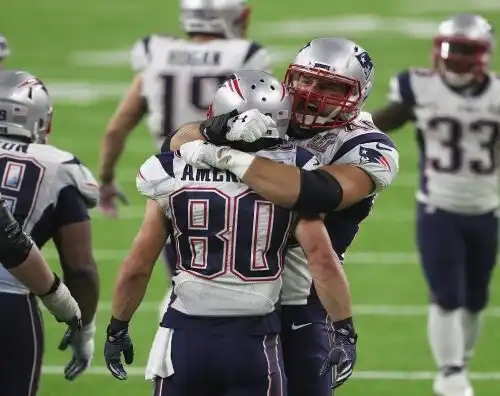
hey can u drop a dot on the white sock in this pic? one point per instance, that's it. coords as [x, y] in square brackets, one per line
[471, 323]
[446, 336]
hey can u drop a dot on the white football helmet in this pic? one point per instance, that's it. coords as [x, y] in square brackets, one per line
[25, 106]
[4, 48]
[227, 18]
[463, 48]
[330, 79]
[254, 89]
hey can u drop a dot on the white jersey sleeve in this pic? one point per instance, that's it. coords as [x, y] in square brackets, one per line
[74, 173]
[155, 179]
[139, 55]
[369, 149]
[257, 58]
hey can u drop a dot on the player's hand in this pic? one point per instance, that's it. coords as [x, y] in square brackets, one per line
[108, 194]
[250, 126]
[342, 355]
[63, 306]
[118, 341]
[82, 345]
[214, 129]
[201, 154]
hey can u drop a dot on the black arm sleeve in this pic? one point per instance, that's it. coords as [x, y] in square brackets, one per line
[319, 192]
[15, 245]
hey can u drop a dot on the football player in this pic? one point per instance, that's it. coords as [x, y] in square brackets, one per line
[176, 78]
[456, 109]
[229, 244]
[330, 79]
[48, 192]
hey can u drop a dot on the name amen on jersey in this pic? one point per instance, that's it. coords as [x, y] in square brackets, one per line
[208, 175]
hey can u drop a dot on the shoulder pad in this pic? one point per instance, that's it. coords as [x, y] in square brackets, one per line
[256, 57]
[48, 153]
[155, 178]
[373, 152]
[140, 55]
[401, 89]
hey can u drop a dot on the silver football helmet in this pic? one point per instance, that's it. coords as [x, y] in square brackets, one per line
[4, 48]
[330, 79]
[228, 18]
[254, 89]
[25, 106]
[463, 48]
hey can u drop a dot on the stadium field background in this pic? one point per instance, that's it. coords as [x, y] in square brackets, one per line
[80, 49]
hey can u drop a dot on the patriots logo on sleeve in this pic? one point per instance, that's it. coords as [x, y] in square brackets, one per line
[371, 156]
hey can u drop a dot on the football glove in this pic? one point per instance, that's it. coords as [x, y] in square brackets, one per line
[118, 341]
[250, 126]
[342, 355]
[214, 129]
[82, 345]
[62, 305]
[201, 154]
[108, 193]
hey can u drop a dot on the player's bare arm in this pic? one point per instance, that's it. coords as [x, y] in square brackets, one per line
[393, 116]
[134, 274]
[126, 117]
[329, 187]
[74, 245]
[328, 275]
[186, 133]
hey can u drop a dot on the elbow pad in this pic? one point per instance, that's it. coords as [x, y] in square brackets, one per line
[15, 245]
[319, 192]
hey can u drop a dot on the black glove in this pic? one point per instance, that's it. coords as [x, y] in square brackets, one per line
[342, 355]
[215, 128]
[118, 341]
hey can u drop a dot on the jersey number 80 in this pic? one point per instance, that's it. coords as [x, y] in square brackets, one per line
[215, 234]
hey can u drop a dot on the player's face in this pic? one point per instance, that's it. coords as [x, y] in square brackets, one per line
[319, 88]
[465, 59]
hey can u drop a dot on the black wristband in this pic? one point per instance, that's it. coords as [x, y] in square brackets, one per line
[54, 287]
[344, 323]
[116, 325]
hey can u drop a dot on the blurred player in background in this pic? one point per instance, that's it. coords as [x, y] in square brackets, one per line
[456, 109]
[176, 78]
[4, 50]
[223, 308]
[329, 79]
[49, 192]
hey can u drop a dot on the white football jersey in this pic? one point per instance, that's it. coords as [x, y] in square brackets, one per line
[180, 77]
[458, 138]
[360, 144]
[33, 176]
[229, 241]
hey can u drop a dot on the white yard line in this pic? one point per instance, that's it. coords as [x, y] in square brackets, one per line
[359, 309]
[360, 375]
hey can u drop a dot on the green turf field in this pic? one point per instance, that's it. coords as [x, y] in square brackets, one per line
[79, 49]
